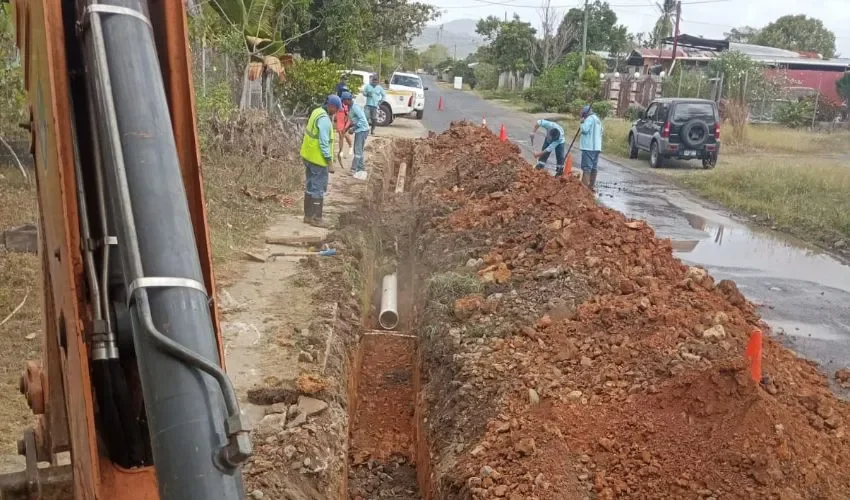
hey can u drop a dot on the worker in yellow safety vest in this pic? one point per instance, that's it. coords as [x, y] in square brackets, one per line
[317, 151]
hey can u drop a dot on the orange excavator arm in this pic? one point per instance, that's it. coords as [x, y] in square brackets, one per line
[132, 362]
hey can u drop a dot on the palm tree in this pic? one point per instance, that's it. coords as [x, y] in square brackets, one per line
[664, 25]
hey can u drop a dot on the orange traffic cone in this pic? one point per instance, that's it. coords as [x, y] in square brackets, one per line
[503, 134]
[753, 355]
[568, 166]
[440, 104]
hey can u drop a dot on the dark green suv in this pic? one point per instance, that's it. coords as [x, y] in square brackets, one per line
[683, 129]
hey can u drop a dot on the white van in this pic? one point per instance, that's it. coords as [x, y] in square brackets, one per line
[396, 102]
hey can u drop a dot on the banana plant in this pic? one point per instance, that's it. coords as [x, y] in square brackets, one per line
[257, 22]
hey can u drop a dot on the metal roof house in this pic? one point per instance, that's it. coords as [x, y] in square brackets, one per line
[811, 70]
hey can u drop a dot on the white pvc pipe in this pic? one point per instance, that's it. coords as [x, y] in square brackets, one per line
[388, 318]
[402, 175]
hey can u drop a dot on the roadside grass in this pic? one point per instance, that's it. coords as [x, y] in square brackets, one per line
[511, 99]
[20, 274]
[805, 196]
[778, 139]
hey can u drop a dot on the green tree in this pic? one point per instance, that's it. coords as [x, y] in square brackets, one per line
[744, 34]
[800, 33]
[395, 22]
[511, 44]
[602, 29]
[434, 55]
[744, 79]
[307, 83]
[843, 86]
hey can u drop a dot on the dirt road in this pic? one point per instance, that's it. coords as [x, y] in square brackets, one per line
[802, 292]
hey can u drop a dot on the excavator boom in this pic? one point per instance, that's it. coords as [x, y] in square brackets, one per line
[131, 380]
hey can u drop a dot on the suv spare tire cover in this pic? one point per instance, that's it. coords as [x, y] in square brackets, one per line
[695, 133]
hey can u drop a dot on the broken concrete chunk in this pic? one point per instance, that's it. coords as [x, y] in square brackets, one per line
[310, 406]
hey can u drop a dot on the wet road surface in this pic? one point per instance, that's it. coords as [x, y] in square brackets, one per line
[803, 293]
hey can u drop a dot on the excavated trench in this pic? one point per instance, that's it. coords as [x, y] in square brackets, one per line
[388, 450]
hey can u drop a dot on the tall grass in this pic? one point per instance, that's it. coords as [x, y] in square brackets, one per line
[778, 139]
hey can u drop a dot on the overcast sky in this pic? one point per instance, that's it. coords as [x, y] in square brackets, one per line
[710, 18]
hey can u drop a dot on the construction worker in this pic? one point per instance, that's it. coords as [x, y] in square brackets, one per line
[317, 151]
[374, 95]
[591, 146]
[554, 142]
[359, 124]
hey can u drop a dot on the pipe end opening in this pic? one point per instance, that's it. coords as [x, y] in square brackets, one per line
[388, 320]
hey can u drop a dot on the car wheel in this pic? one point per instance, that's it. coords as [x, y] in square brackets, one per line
[710, 162]
[384, 115]
[655, 159]
[419, 114]
[633, 149]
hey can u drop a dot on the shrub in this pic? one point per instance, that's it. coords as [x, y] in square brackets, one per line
[602, 109]
[634, 111]
[487, 76]
[794, 114]
[307, 84]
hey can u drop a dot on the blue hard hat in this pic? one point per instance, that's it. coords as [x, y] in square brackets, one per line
[334, 100]
[346, 96]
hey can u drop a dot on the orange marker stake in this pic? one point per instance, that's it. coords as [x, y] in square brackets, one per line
[753, 355]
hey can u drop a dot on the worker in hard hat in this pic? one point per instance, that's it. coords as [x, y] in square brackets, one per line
[554, 142]
[317, 151]
[359, 125]
[374, 95]
[590, 145]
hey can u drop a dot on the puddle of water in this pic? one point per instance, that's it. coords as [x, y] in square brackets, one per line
[715, 241]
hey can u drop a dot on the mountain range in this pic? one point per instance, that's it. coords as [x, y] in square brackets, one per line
[458, 35]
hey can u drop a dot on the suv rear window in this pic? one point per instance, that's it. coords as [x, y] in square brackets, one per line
[685, 111]
[407, 81]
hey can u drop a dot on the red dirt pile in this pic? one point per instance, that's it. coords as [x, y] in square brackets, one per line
[619, 371]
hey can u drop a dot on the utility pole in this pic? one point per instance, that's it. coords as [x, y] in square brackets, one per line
[676, 34]
[584, 40]
[455, 52]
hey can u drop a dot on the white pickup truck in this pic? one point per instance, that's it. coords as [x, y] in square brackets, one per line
[410, 82]
[396, 102]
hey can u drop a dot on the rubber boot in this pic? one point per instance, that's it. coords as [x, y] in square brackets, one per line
[592, 184]
[316, 213]
[308, 209]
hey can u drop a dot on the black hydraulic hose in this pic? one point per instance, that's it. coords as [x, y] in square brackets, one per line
[188, 410]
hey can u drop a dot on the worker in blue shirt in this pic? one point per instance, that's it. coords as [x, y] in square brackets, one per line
[360, 126]
[591, 146]
[554, 142]
[374, 95]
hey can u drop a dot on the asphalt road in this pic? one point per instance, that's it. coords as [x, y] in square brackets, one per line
[803, 293]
